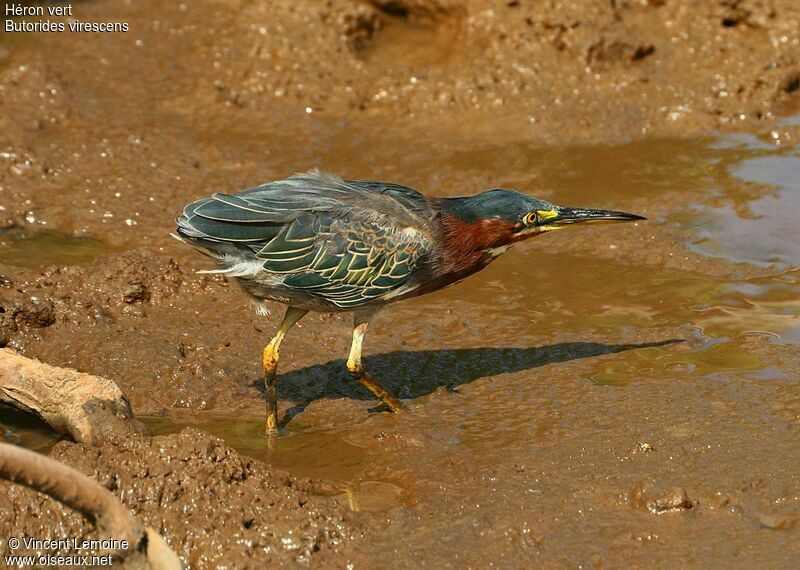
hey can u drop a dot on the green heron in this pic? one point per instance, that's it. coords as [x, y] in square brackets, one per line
[315, 242]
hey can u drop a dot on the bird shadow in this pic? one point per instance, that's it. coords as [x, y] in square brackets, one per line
[412, 374]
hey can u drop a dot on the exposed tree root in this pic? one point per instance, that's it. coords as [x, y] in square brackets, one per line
[88, 408]
[145, 548]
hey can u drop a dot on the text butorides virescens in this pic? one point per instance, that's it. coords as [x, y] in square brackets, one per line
[315, 242]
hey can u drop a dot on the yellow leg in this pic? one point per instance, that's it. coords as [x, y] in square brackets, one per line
[270, 362]
[355, 367]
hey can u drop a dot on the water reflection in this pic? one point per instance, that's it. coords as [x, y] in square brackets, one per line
[763, 230]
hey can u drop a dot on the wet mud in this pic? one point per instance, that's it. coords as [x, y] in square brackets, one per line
[609, 396]
[213, 506]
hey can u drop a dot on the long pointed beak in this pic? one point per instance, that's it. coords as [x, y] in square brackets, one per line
[567, 216]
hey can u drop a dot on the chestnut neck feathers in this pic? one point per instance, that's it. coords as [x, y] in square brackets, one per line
[475, 229]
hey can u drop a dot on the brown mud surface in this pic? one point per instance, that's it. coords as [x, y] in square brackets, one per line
[614, 396]
[214, 506]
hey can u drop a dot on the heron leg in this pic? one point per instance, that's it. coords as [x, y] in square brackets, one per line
[270, 362]
[355, 367]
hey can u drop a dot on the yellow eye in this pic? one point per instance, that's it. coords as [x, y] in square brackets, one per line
[530, 219]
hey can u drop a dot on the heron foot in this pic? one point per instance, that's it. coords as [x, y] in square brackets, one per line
[382, 393]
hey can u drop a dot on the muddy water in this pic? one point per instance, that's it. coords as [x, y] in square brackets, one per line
[44, 248]
[566, 390]
[558, 398]
[26, 430]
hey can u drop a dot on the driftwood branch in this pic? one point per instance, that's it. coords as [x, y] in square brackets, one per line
[146, 549]
[88, 408]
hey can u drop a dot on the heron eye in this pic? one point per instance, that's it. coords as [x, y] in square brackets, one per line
[531, 219]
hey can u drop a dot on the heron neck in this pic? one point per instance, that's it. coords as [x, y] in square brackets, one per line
[467, 241]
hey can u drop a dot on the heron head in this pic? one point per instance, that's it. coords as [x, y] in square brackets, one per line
[522, 216]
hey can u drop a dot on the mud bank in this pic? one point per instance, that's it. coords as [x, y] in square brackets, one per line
[215, 507]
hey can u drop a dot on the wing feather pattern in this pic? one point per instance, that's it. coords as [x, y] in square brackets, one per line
[347, 242]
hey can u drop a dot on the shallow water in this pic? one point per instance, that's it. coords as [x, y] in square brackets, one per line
[44, 248]
[751, 192]
[763, 230]
[687, 325]
[26, 430]
[531, 383]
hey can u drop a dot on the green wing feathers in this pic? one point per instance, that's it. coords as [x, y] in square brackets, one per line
[348, 242]
[348, 264]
